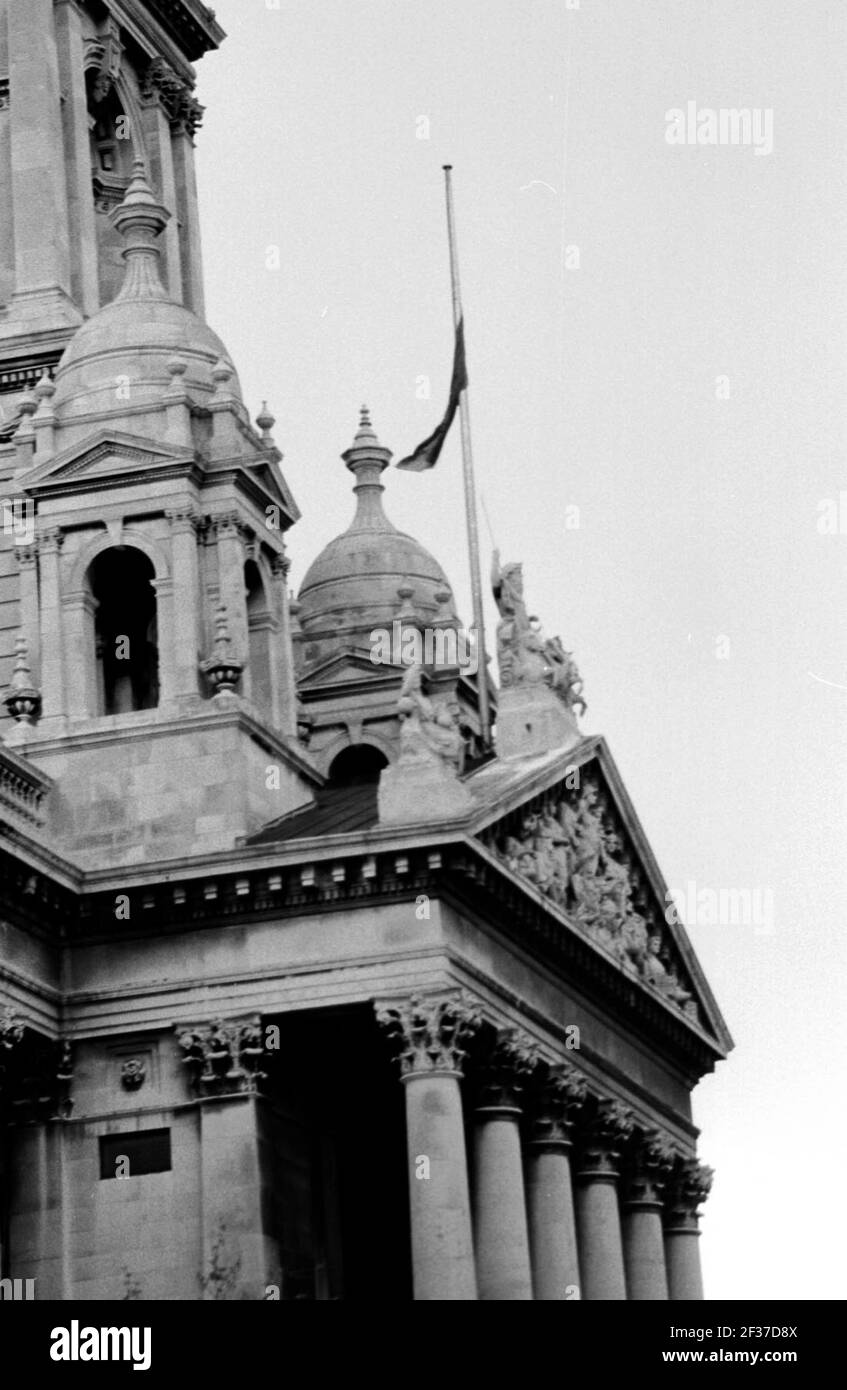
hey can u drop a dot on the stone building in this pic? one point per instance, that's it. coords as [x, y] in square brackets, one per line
[306, 991]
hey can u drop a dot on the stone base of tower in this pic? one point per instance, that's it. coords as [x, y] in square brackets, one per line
[146, 789]
[531, 719]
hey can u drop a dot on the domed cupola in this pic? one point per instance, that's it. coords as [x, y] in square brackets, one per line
[355, 584]
[118, 360]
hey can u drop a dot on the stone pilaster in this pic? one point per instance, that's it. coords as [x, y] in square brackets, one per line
[552, 1222]
[52, 635]
[283, 675]
[431, 1032]
[81, 216]
[688, 1187]
[39, 191]
[598, 1217]
[650, 1163]
[188, 214]
[500, 1214]
[186, 583]
[231, 589]
[27, 558]
[224, 1064]
[78, 617]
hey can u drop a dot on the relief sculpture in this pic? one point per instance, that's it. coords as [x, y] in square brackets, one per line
[574, 857]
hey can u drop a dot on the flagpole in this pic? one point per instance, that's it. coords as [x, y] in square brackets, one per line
[468, 474]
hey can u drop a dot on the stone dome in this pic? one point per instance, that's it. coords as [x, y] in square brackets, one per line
[363, 577]
[131, 341]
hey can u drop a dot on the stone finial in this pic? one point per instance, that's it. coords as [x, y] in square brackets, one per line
[222, 374]
[222, 669]
[140, 219]
[22, 700]
[177, 368]
[266, 422]
[45, 390]
[27, 406]
[366, 434]
[406, 611]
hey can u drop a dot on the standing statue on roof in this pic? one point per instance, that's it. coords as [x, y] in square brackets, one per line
[525, 656]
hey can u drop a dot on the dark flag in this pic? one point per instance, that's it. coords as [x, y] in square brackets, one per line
[426, 454]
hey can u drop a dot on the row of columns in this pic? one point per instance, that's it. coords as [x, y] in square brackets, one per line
[578, 1202]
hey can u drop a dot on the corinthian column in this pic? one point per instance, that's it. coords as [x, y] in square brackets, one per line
[644, 1255]
[432, 1032]
[552, 1224]
[597, 1214]
[690, 1185]
[500, 1219]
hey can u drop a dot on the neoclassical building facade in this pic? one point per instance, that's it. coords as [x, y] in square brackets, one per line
[308, 990]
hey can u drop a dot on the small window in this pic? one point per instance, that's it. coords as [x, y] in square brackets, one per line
[132, 1155]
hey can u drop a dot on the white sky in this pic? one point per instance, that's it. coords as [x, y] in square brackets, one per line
[596, 387]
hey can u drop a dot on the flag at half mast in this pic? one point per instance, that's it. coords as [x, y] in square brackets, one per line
[426, 454]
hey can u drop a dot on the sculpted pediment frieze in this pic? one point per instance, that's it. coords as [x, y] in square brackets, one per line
[570, 843]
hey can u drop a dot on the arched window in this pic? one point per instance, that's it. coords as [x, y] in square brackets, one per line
[126, 637]
[356, 766]
[260, 627]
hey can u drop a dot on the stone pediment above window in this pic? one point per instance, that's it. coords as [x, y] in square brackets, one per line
[571, 844]
[105, 456]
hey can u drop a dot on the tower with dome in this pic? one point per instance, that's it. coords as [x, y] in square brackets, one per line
[236, 850]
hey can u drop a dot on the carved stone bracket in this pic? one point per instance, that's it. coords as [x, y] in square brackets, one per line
[162, 82]
[224, 1057]
[430, 1032]
[689, 1186]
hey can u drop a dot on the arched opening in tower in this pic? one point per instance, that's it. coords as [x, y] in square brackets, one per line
[357, 766]
[260, 626]
[111, 169]
[126, 635]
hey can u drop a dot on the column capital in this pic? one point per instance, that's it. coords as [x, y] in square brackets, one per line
[182, 519]
[227, 525]
[505, 1072]
[556, 1101]
[51, 540]
[26, 555]
[223, 1057]
[689, 1185]
[650, 1163]
[603, 1139]
[431, 1031]
[280, 566]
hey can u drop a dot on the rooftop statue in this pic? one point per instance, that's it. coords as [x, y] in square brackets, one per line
[525, 656]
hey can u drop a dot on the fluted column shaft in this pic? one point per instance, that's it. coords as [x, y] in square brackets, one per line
[689, 1186]
[52, 637]
[500, 1215]
[597, 1211]
[430, 1032]
[550, 1201]
[186, 583]
[650, 1164]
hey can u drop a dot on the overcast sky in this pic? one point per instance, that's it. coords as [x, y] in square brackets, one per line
[656, 337]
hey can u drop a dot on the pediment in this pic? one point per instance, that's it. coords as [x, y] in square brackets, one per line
[570, 836]
[106, 455]
[344, 668]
